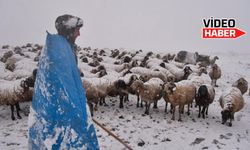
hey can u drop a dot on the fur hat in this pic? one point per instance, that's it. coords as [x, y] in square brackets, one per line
[66, 24]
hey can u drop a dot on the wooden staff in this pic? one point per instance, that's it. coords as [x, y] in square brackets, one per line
[110, 133]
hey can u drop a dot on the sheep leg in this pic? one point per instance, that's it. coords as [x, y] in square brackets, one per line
[230, 122]
[199, 115]
[166, 107]
[188, 112]
[104, 102]
[17, 111]
[180, 110]
[171, 108]
[12, 112]
[212, 82]
[173, 111]
[95, 107]
[231, 118]
[203, 112]
[101, 102]
[126, 98]
[138, 100]
[207, 110]
[147, 108]
[215, 83]
[155, 104]
[121, 101]
[141, 104]
[91, 109]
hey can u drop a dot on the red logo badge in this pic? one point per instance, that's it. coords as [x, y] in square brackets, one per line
[221, 33]
[220, 28]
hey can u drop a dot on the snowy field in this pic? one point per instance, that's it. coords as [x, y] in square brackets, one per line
[156, 131]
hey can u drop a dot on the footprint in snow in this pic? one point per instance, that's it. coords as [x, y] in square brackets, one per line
[197, 141]
[239, 117]
[217, 142]
[224, 137]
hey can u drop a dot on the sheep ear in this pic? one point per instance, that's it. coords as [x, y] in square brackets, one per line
[174, 88]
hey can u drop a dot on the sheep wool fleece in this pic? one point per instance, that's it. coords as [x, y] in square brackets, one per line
[59, 116]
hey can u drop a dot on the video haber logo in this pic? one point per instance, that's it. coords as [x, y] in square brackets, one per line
[220, 28]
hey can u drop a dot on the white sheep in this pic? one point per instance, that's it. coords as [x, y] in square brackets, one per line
[117, 68]
[150, 91]
[178, 64]
[180, 74]
[186, 57]
[149, 73]
[96, 89]
[179, 94]
[153, 62]
[14, 92]
[231, 101]
[166, 72]
[5, 74]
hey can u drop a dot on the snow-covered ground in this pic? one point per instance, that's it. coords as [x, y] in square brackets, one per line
[157, 130]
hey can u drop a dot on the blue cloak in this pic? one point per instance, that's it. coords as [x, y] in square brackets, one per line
[59, 116]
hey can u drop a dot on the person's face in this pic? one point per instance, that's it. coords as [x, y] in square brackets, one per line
[76, 33]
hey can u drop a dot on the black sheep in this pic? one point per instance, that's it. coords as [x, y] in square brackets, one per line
[204, 97]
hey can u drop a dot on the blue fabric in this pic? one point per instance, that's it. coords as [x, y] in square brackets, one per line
[59, 117]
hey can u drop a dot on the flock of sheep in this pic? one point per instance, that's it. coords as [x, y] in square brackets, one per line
[18, 69]
[176, 78]
[179, 79]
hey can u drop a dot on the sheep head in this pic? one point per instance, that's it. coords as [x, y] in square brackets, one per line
[144, 78]
[136, 85]
[202, 70]
[187, 71]
[169, 87]
[24, 85]
[202, 95]
[214, 66]
[134, 63]
[163, 65]
[102, 73]
[216, 57]
[101, 67]
[241, 84]
[226, 114]
[132, 79]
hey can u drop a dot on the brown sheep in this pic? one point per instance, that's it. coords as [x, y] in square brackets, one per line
[214, 74]
[150, 91]
[241, 84]
[92, 95]
[179, 94]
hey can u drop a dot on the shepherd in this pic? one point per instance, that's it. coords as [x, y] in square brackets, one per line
[59, 115]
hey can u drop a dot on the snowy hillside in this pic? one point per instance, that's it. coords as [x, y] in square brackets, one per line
[154, 131]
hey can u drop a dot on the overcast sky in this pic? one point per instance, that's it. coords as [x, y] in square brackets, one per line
[130, 24]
